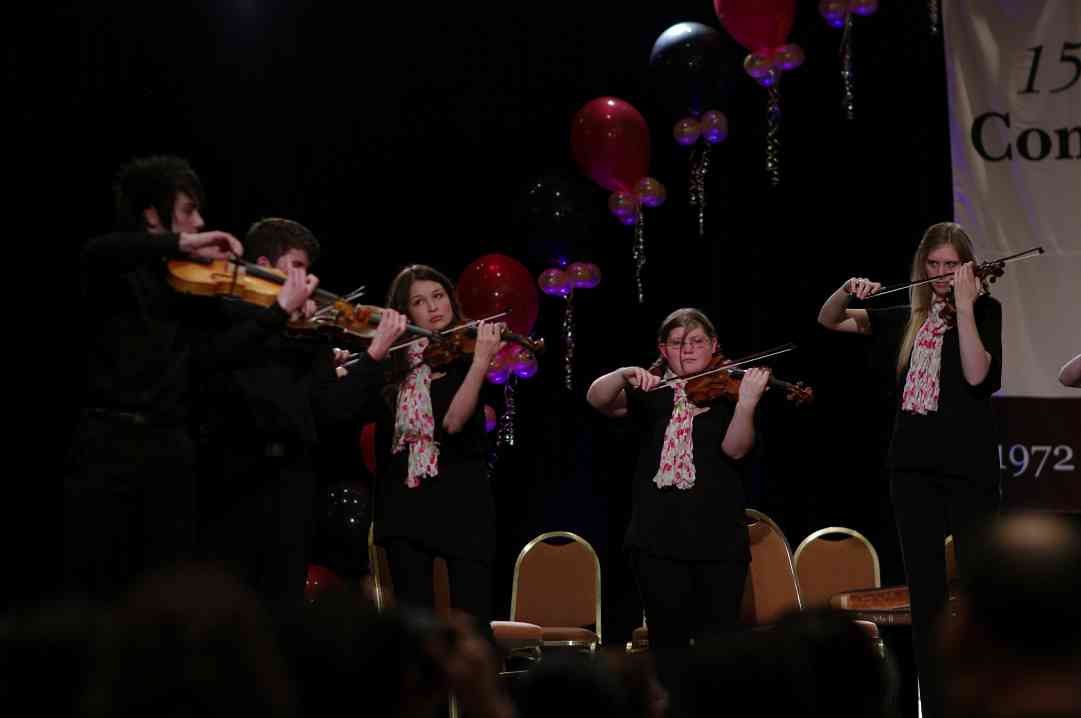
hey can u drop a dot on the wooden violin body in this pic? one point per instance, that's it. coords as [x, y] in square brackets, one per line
[715, 382]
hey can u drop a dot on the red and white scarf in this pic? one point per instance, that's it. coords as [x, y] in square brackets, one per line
[677, 453]
[414, 424]
[920, 394]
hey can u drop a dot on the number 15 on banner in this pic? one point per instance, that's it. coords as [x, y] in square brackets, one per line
[1021, 458]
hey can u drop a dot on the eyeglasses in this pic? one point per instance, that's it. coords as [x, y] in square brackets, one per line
[695, 343]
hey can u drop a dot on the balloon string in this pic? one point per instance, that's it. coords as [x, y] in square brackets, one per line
[773, 136]
[505, 436]
[847, 101]
[568, 343]
[639, 253]
[699, 167]
[932, 7]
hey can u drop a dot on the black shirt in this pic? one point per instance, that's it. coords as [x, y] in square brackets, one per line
[142, 338]
[452, 513]
[959, 438]
[705, 522]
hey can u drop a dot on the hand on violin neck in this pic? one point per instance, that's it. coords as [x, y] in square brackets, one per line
[296, 290]
[639, 378]
[210, 245]
[391, 326]
[966, 287]
[753, 384]
[488, 342]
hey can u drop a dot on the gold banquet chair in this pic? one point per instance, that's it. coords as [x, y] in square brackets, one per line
[557, 585]
[772, 589]
[514, 638]
[834, 560]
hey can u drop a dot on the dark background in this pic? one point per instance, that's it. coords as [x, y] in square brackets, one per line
[410, 132]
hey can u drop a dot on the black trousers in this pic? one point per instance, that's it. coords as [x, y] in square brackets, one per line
[470, 580]
[258, 518]
[928, 507]
[684, 600]
[129, 503]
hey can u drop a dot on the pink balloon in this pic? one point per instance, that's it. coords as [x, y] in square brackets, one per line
[788, 57]
[714, 126]
[686, 131]
[610, 140]
[584, 275]
[863, 7]
[758, 63]
[756, 24]
[521, 361]
[834, 11]
[555, 282]
[622, 203]
[499, 368]
[650, 192]
[494, 283]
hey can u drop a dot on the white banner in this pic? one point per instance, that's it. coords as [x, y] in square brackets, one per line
[1014, 76]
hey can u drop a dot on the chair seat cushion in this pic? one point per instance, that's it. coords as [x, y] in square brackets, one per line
[873, 599]
[558, 634]
[517, 634]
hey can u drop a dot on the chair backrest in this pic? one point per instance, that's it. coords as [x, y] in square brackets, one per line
[833, 560]
[384, 585]
[771, 589]
[557, 582]
[951, 561]
[380, 568]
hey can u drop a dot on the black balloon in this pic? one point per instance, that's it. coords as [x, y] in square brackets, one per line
[344, 524]
[687, 72]
[553, 216]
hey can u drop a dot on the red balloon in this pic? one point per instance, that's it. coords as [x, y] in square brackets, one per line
[367, 447]
[494, 283]
[757, 24]
[610, 140]
[319, 579]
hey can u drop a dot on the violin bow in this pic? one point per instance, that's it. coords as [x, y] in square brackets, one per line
[354, 357]
[782, 349]
[1027, 254]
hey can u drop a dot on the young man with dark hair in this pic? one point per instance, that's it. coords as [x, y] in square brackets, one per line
[129, 501]
[262, 428]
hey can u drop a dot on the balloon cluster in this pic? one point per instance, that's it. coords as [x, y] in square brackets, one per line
[512, 360]
[610, 140]
[762, 26]
[490, 285]
[766, 64]
[836, 12]
[493, 284]
[557, 282]
[712, 127]
[627, 205]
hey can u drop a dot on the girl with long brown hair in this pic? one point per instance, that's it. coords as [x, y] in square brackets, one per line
[947, 347]
[433, 497]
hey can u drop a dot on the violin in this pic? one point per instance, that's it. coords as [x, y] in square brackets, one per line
[252, 283]
[461, 341]
[722, 377]
[986, 272]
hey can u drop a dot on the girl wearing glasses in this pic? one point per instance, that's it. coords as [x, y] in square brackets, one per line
[942, 462]
[687, 540]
